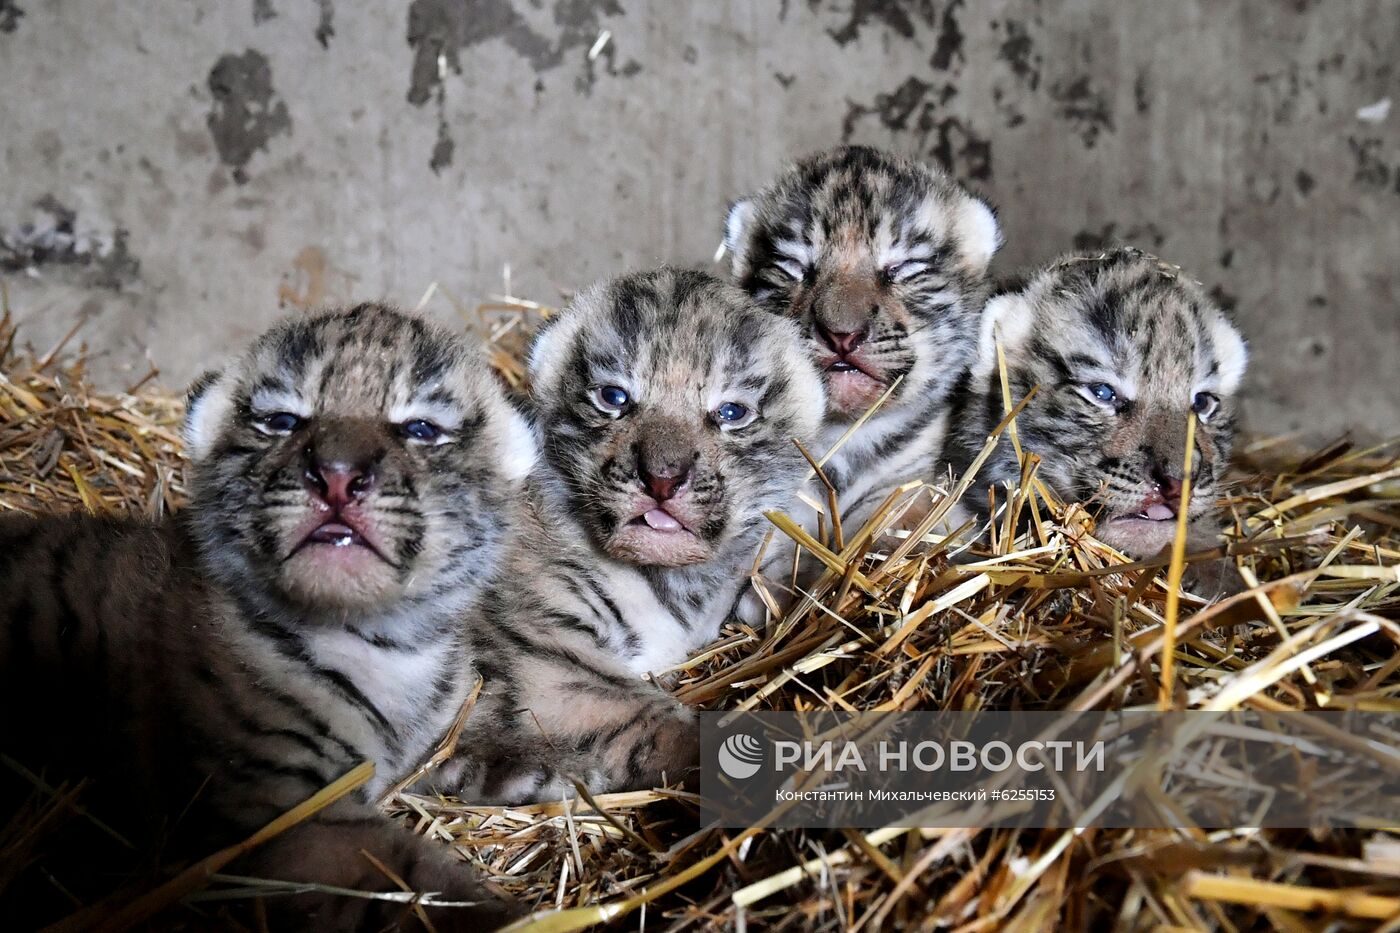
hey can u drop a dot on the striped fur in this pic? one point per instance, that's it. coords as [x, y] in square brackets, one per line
[232, 663]
[882, 261]
[1126, 321]
[593, 597]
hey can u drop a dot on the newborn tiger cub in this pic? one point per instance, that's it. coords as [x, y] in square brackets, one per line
[1122, 347]
[668, 404]
[354, 478]
[883, 264]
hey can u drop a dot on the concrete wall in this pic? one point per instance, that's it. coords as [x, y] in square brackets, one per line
[211, 159]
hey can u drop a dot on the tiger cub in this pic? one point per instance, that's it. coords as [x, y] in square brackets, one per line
[354, 477]
[1122, 347]
[883, 262]
[667, 404]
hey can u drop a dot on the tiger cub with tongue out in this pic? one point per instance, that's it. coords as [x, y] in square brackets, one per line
[882, 263]
[667, 403]
[355, 475]
[1122, 347]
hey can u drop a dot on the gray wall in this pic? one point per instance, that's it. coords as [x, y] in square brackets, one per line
[212, 157]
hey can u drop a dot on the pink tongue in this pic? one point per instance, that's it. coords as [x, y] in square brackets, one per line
[1160, 512]
[661, 520]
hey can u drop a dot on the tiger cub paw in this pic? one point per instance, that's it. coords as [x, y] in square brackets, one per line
[675, 752]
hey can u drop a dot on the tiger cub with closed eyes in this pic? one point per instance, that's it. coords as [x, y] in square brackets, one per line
[667, 404]
[354, 478]
[882, 262]
[1122, 347]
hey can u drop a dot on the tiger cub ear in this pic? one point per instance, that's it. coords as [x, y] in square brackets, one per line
[1006, 318]
[519, 443]
[208, 404]
[738, 228]
[553, 345]
[978, 234]
[1232, 353]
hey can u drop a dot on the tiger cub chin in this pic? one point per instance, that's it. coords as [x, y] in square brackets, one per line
[1123, 347]
[882, 262]
[354, 477]
[667, 404]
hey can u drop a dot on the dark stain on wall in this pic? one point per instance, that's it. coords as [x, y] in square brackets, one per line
[896, 15]
[439, 31]
[246, 112]
[1296, 93]
[446, 28]
[1371, 170]
[1018, 51]
[894, 109]
[950, 39]
[964, 153]
[917, 107]
[903, 18]
[914, 108]
[443, 148]
[1008, 109]
[583, 84]
[1142, 92]
[54, 242]
[325, 24]
[1084, 107]
[1109, 235]
[1017, 48]
[9, 15]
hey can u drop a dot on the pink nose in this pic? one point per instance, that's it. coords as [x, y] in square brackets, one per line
[338, 484]
[663, 486]
[843, 342]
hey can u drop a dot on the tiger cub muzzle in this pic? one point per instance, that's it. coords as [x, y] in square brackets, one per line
[882, 260]
[1141, 479]
[668, 501]
[1122, 351]
[353, 464]
[859, 334]
[668, 402]
[340, 543]
[337, 518]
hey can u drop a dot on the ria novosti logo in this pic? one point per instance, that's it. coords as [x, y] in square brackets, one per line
[741, 756]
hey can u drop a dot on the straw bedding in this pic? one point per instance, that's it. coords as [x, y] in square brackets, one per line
[1049, 619]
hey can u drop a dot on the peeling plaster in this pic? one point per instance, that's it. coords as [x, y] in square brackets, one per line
[246, 112]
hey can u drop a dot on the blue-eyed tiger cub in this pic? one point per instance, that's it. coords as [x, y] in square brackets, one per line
[354, 479]
[668, 403]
